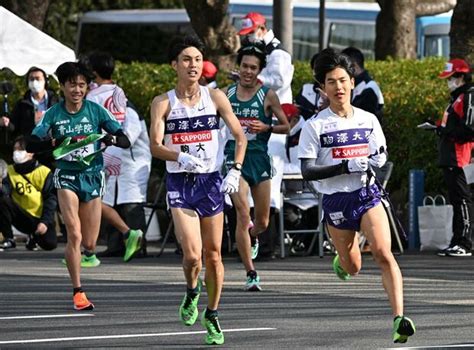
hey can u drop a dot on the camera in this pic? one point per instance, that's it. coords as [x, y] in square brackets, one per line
[6, 87]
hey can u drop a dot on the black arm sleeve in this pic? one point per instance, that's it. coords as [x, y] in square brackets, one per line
[312, 172]
[50, 202]
[122, 140]
[35, 145]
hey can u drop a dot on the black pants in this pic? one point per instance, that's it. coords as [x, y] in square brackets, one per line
[134, 216]
[11, 214]
[460, 196]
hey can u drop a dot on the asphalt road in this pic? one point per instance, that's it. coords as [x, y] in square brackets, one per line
[302, 306]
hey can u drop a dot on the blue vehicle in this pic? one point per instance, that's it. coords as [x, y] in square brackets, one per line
[143, 34]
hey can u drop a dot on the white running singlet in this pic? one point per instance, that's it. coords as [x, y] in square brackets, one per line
[194, 130]
[330, 139]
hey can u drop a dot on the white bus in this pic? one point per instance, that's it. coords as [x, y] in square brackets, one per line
[143, 35]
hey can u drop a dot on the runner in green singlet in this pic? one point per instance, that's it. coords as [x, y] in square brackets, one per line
[253, 104]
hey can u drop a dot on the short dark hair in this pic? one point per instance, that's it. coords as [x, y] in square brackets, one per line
[252, 50]
[68, 71]
[180, 43]
[355, 55]
[36, 69]
[328, 60]
[466, 76]
[102, 63]
[21, 140]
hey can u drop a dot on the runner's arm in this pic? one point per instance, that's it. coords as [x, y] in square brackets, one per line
[160, 108]
[35, 144]
[118, 139]
[312, 172]
[283, 126]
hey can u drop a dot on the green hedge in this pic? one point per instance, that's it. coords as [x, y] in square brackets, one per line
[411, 90]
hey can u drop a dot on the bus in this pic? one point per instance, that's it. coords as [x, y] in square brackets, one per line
[143, 35]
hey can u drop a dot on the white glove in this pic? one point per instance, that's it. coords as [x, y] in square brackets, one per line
[357, 165]
[189, 162]
[230, 184]
[378, 160]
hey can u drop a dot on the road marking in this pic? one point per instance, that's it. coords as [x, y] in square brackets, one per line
[122, 336]
[462, 346]
[45, 316]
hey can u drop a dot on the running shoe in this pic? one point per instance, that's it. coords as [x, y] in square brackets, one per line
[254, 244]
[133, 244]
[90, 261]
[9, 243]
[31, 245]
[253, 283]
[458, 251]
[214, 335]
[188, 312]
[444, 252]
[81, 302]
[343, 275]
[403, 327]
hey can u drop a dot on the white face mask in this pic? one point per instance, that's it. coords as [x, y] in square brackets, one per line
[36, 86]
[453, 84]
[20, 157]
[253, 39]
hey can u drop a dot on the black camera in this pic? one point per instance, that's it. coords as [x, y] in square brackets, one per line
[6, 87]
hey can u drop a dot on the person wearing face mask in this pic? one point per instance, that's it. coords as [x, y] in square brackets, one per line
[28, 201]
[456, 132]
[29, 110]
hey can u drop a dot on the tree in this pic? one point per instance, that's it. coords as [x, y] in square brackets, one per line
[395, 26]
[462, 31]
[211, 23]
[32, 11]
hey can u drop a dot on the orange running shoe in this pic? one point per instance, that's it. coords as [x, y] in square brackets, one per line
[81, 302]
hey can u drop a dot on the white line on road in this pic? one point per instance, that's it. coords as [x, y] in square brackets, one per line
[45, 316]
[462, 346]
[122, 336]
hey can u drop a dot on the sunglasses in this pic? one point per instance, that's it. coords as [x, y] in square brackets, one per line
[252, 49]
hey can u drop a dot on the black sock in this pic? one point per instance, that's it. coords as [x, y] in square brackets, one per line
[126, 235]
[88, 253]
[252, 274]
[192, 292]
[76, 290]
[253, 240]
[210, 313]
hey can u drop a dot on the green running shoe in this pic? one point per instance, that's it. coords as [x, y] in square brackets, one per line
[90, 261]
[188, 312]
[133, 244]
[214, 335]
[403, 327]
[253, 283]
[343, 275]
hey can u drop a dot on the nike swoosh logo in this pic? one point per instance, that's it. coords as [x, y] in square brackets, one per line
[214, 208]
[201, 109]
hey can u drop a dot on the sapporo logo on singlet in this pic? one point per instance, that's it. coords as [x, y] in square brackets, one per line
[351, 143]
[192, 130]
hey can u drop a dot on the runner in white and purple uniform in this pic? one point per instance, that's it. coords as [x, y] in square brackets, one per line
[185, 132]
[337, 147]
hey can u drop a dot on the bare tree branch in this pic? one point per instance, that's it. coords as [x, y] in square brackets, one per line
[433, 7]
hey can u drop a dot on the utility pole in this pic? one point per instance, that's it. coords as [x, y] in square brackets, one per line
[283, 23]
[322, 19]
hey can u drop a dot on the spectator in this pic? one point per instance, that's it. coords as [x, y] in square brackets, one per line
[297, 121]
[366, 94]
[277, 75]
[209, 75]
[129, 170]
[308, 99]
[30, 109]
[28, 201]
[456, 139]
